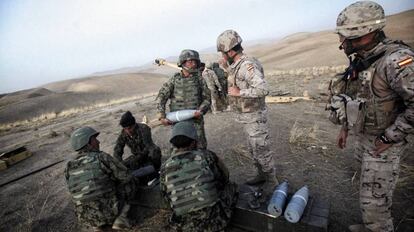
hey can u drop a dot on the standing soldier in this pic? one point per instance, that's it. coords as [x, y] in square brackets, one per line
[213, 85]
[137, 136]
[100, 185]
[186, 90]
[374, 98]
[246, 95]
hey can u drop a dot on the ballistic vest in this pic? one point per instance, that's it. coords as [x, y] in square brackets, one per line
[190, 183]
[244, 104]
[187, 93]
[87, 182]
[380, 112]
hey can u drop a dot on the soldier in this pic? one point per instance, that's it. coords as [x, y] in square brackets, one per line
[137, 136]
[246, 95]
[377, 91]
[100, 185]
[196, 184]
[186, 90]
[213, 85]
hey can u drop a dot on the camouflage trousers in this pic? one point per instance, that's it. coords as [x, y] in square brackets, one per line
[202, 141]
[211, 219]
[99, 212]
[256, 128]
[379, 176]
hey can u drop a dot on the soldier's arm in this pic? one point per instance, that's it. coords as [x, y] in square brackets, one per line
[401, 79]
[115, 168]
[220, 171]
[206, 95]
[163, 95]
[216, 81]
[119, 147]
[255, 78]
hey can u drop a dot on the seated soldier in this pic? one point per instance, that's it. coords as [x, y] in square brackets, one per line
[196, 184]
[100, 185]
[137, 136]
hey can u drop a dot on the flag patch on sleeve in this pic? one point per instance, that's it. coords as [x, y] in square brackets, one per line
[405, 62]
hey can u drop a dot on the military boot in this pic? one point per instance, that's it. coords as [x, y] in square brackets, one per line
[122, 221]
[358, 228]
[271, 181]
[259, 176]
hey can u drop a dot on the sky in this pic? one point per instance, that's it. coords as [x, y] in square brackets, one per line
[43, 41]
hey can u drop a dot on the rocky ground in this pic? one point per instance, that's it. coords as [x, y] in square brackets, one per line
[303, 141]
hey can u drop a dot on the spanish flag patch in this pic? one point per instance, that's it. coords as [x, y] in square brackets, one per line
[405, 62]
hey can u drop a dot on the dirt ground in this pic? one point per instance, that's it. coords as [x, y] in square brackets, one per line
[302, 138]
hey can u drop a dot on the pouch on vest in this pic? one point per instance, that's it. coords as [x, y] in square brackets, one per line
[355, 115]
[337, 108]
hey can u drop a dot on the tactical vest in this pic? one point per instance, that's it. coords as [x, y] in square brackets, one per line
[87, 182]
[190, 183]
[243, 104]
[187, 93]
[380, 112]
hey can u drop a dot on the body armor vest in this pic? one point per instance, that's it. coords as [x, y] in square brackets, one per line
[87, 182]
[187, 93]
[243, 104]
[380, 112]
[190, 183]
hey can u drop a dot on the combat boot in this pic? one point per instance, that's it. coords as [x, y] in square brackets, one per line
[122, 222]
[259, 176]
[358, 228]
[271, 181]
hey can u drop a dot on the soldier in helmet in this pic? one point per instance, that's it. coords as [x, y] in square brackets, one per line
[247, 90]
[213, 85]
[196, 184]
[137, 136]
[186, 90]
[100, 185]
[375, 100]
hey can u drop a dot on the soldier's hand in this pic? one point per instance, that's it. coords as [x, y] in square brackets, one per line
[234, 91]
[341, 139]
[165, 122]
[380, 147]
[197, 114]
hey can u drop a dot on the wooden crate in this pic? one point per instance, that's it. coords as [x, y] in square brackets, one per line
[16, 155]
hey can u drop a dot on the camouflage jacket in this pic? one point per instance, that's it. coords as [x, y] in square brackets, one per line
[167, 93]
[392, 85]
[212, 80]
[104, 210]
[249, 77]
[141, 143]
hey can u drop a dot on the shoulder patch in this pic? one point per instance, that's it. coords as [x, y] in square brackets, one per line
[250, 67]
[405, 62]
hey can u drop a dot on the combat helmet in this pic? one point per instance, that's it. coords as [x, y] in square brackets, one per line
[228, 40]
[185, 128]
[80, 137]
[188, 54]
[359, 19]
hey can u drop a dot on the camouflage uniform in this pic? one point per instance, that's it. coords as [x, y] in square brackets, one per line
[142, 147]
[217, 195]
[112, 187]
[381, 104]
[214, 86]
[252, 112]
[186, 93]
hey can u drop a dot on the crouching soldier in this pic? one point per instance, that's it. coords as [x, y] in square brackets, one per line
[196, 184]
[137, 136]
[100, 185]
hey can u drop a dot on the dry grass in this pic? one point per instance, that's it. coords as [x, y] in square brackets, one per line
[52, 115]
[300, 135]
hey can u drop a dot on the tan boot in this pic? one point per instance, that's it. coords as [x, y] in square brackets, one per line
[358, 228]
[258, 178]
